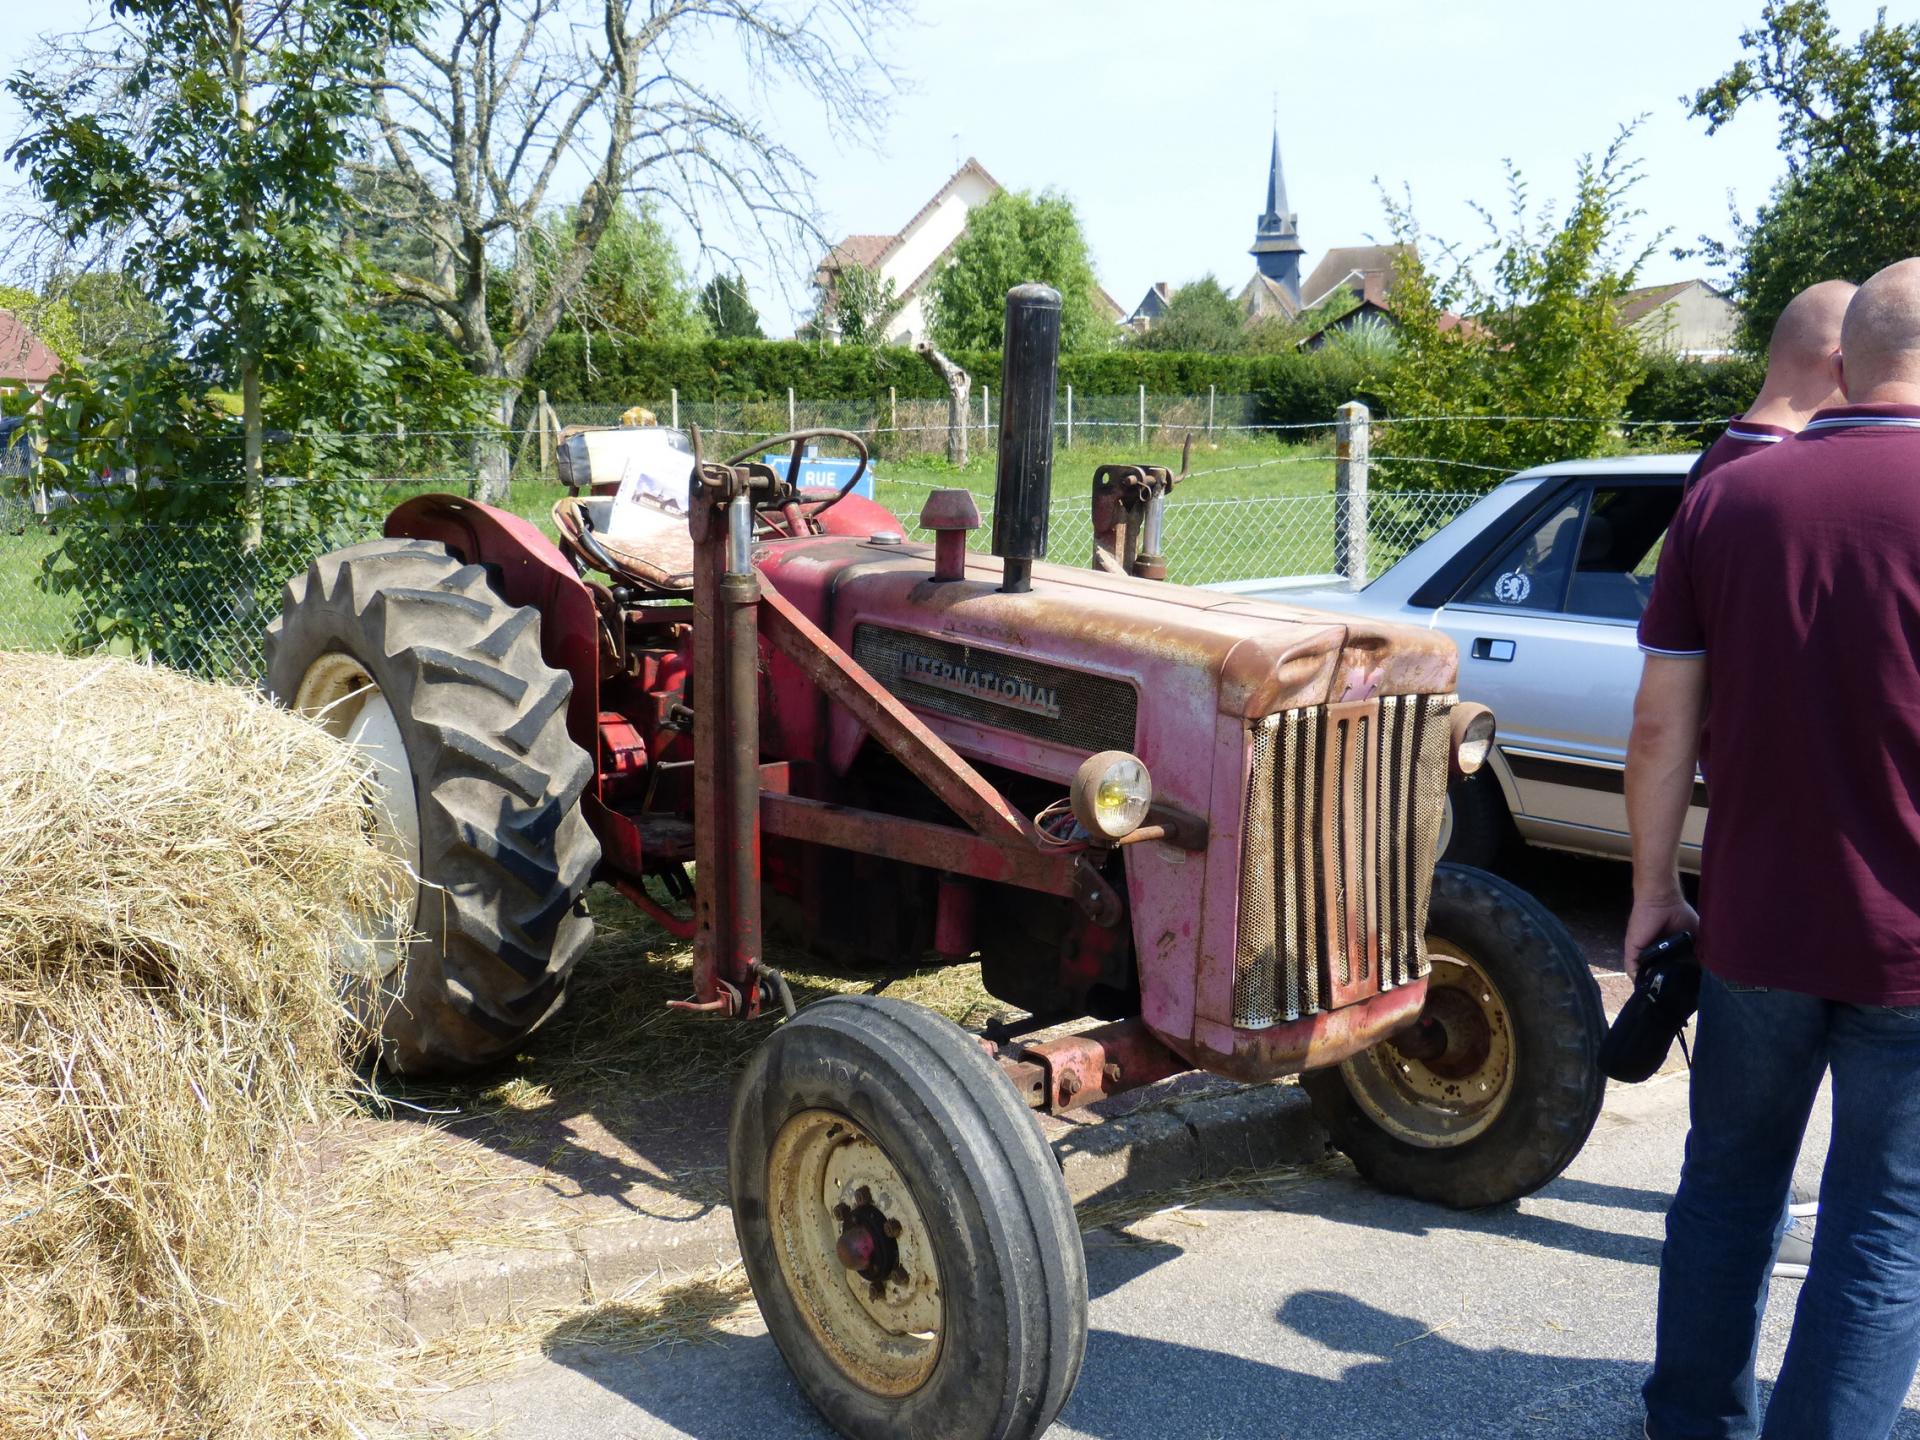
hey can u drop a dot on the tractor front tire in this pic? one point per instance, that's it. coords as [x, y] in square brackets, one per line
[1500, 1087]
[906, 1230]
[403, 649]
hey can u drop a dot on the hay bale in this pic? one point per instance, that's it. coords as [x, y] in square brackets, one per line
[176, 859]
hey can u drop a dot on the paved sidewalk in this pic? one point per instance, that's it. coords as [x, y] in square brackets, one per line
[1310, 1307]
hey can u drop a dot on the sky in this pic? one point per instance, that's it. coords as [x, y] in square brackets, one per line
[1157, 118]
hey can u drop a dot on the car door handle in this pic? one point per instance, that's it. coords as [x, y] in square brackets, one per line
[1487, 648]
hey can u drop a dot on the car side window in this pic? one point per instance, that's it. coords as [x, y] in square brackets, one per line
[1532, 573]
[1619, 545]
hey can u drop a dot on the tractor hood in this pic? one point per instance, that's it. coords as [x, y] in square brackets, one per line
[1084, 661]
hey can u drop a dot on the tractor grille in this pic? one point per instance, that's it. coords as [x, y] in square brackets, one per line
[1004, 692]
[1343, 813]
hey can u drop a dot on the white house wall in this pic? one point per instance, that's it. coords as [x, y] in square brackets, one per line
[924, 242]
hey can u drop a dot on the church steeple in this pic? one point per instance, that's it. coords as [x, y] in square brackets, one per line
[1276, 237]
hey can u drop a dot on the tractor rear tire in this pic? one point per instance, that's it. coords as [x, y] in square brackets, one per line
[873, 1133]
[489, 782]
[1508, 1103]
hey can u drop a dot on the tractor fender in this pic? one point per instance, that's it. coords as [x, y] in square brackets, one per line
[528, 570]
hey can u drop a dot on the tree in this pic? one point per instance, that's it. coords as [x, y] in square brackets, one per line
[211, 135]
[1542, 339]
[1012, 239]
[1200, 316]
[862, 303]
[1849, 119]
[477, 124]
[634, 287]
[728, 311]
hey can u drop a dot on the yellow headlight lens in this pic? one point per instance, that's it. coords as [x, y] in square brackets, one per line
[1112, 794]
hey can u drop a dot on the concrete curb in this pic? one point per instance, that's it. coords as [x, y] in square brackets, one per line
[1103, 1159]
[1156, 1145]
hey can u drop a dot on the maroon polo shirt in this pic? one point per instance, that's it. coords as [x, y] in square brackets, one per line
[1741, 438]
[1800, 585]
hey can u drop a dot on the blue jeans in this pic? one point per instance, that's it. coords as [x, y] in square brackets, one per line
[1757, 1065]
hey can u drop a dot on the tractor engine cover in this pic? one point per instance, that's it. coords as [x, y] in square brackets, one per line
[1313, 748]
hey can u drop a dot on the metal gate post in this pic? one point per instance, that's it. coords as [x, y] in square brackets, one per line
[1350, 493]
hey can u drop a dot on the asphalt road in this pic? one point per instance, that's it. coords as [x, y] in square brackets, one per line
[1310, 1307]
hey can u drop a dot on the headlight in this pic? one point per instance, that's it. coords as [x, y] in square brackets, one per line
[1111, 794]
[1472, 738]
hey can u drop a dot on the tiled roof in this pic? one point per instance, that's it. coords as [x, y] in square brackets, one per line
[23, 358]
[1262, 297]
[1638, 304]
[873, 250]
[1338, 263]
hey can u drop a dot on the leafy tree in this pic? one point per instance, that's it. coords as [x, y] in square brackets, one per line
[729, 313]
[1542, 339]
[479, 121]
[634, 286]
[1849, 119]
[1200, 317]
[1012, 239]
[212, 135]
[862, 303]
[48, 317]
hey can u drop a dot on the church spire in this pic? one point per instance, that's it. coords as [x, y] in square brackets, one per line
[1276, 236]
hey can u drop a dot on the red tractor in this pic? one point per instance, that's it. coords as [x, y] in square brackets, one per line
[1206, 822]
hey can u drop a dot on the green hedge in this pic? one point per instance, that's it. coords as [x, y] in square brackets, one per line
[1300, 387]
[1677, 389]
[628, 372]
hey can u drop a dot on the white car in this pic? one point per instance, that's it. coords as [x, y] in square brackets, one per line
[1540, 584]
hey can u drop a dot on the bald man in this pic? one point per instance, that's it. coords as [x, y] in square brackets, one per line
[1786, 611]
[1801, 377]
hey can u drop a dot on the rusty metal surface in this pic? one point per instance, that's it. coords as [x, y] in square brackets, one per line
[1083, 1069]
[1309, 1043]
[920, 842]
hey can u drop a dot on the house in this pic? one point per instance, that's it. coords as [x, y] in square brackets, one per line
[24, 358]
[911, 257]
[1151, 307]
[1688, 318]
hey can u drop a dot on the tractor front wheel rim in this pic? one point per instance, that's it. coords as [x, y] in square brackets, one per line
[1453, 1073]
[855, 1252]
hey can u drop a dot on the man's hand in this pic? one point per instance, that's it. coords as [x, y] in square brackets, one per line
[1655, 918]
[1661, 754]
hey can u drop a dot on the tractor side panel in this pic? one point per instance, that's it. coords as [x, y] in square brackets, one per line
[528, 570]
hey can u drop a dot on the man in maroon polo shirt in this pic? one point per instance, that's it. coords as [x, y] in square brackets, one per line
[1786, 612]
[1800, 378]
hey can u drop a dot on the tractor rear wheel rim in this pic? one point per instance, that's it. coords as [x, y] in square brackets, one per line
[338, 692]
[855, 1252]
[1454, 1079]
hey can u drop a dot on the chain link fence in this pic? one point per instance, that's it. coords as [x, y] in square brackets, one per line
[1261, 502]
[189, 596]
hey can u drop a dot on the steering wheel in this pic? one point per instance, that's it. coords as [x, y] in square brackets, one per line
[798, 439]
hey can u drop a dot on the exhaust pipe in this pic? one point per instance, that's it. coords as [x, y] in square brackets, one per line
[1023, 485]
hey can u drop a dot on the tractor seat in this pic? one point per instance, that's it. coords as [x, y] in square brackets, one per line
[652, 546]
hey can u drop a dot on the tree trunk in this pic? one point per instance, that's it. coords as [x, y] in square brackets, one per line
[959, 386]
[253, 492]
[493, 457]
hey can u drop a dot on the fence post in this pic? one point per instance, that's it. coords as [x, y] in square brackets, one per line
[792, 422]
[546, 435]
[893, 410]
[1210, 412]
[1069, 414]
[1143, 414]
[674, 405]
[1350, 492]
[986, 412]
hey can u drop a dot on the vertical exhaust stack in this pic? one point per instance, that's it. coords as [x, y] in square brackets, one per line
[1023, 487]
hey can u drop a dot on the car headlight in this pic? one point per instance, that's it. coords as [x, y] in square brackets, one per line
[1111, 794]
[1472, 738]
